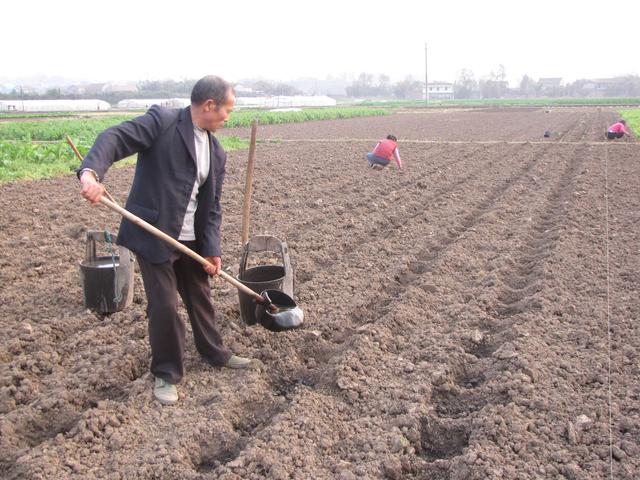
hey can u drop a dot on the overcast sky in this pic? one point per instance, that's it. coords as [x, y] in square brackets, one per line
[287, 39]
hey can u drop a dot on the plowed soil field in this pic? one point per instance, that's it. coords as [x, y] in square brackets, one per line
[475, 316]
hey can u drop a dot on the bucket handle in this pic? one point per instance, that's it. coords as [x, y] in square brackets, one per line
[269, 243]
[265, 243]
[94, 236]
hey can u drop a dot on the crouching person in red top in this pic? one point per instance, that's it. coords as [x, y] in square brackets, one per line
[617, 130]
[383, 152]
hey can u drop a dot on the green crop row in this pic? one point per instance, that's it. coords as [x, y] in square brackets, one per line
[81, 130]
[632, 116]
[23, 156]
[21, 160]
[244, 118]
[86, 130]
[26, 160]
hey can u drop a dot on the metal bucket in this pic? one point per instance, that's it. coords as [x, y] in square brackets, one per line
[263, 277]
[107, 281]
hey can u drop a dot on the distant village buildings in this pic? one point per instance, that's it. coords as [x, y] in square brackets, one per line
[440, 91]
[128, 96]
[550, 87]
[550, 83]
[606, 87]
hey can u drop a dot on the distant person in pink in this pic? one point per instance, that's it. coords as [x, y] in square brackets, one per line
[617, 130]
[384, 151]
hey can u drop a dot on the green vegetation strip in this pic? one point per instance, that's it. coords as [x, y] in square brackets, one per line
[632, 116]
[4, 115]
[19, 160]
[33, 161]
[243, 118]
[81, 130]
[22, 157]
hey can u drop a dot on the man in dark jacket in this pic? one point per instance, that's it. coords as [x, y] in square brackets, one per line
[176, 188]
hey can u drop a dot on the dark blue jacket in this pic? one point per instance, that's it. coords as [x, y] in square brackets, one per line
[165, 174]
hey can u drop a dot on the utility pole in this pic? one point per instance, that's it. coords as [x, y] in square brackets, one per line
[426, 76]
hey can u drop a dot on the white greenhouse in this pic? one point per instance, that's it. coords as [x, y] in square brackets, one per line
[145, 103]
[284, 101]
[53, 106]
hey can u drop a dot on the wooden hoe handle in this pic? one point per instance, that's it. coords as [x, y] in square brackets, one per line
[179, 246]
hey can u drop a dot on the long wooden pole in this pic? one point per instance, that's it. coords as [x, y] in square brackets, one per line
[426, 76]
[173, 242]
[73, 147]
[248, 185]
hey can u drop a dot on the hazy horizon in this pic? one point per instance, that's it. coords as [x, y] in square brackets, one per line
[281, 41]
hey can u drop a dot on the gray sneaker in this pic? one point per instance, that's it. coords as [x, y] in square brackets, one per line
[166, 393]
[241, 362]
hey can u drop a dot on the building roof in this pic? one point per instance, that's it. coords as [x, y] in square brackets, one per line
[550, 81]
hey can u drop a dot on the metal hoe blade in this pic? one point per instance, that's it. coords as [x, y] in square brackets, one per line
[285, 316]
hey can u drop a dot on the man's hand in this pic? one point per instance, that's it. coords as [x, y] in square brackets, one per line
[216, 263]
[91, 189]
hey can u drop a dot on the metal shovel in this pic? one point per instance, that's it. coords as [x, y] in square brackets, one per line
[275, 310]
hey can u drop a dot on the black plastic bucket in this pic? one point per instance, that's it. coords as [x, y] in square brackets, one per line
[263, 277]
[107, 281]
[258, 279]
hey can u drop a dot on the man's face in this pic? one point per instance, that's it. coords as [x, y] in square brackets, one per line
[215, 116]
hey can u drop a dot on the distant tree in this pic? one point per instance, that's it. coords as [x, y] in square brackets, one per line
[284, 89]
[366, 79]
[164, 88]
[408, 89]
[260, 86]
[363, 87]
[626, 86]
[52, 93]
[495, 85]
[500, 75]
[487, 88]
[633, 85]
[580, 88]
[263, 87]
[384, 84]
[527, 86]
[465, 85]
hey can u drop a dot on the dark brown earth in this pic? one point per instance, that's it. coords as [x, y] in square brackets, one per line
[473, 317]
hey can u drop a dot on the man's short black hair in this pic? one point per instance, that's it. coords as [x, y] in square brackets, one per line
[392, 137]
[211, 87]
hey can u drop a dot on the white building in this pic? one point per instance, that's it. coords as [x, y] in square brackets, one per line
[54, 106]
[440, 91]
